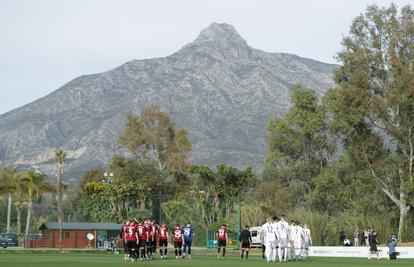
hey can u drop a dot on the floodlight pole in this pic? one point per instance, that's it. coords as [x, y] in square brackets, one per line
[238, 232]
[160, 210]
[106, 176]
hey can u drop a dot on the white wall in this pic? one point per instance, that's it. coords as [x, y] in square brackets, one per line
[406, 252]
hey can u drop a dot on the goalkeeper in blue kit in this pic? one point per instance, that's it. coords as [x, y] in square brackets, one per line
[187, 232]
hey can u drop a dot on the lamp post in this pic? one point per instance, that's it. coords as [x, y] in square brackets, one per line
[108, 176]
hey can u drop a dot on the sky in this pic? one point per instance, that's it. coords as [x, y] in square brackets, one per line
[44, 44]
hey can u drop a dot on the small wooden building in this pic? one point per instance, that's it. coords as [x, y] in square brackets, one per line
[74, 234]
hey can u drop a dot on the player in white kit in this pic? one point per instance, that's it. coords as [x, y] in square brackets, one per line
[289, 246]
[302, 244]
[269, 232]
[297, 239]
[307, 236]
[283, 236]
[277, 246]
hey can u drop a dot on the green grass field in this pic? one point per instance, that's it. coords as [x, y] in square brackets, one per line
[103, 260]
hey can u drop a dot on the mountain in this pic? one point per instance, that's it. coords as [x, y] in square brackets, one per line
[218, 87]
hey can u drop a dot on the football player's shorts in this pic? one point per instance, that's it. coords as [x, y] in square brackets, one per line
[142, 243]
[271, 243]
[306, 245]
[163, 242]
[131, 244]
[283, 241]
[297, 243]
[245, 245]
[178, 244]
[222, 243]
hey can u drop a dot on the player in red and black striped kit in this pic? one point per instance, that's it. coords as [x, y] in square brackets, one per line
[178, 240]
[163, 240]
[153, 237]
[123, 238]
[142, 237]
[223, 239]
[131, 240]
[147, 225]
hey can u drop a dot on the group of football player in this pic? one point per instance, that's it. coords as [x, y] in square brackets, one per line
[281, 237]
[146, 236]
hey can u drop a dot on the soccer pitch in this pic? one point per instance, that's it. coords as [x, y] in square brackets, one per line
[103, 260]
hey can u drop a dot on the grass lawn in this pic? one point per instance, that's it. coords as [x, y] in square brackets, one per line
[103, 260]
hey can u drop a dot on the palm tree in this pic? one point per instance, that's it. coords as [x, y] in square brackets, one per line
[9, 180]
[34, 189]
[19, 200]
[60, 158]
[142, 192]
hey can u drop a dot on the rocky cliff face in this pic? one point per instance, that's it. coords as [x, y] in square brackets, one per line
[219, 88]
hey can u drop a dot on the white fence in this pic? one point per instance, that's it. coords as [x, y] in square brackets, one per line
[360, 252]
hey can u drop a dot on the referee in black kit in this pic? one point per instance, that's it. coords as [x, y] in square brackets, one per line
[245, 241]
[373, 241]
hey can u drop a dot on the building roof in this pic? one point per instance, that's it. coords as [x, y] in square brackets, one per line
[81, 226]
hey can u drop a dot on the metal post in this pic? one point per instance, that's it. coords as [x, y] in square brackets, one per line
[160, 210]
[238, 232]
[207, 237]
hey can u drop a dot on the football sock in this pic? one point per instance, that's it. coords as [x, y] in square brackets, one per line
[218, 250]
[289, 252]
[189, 250]
[267, 252]
[224, 252]
[142, 252]
[176, 252]
[242, 254]
[137, 254]
[165, 252]
[179, 252]
[280, 254]
[247, 254]
[161, 251]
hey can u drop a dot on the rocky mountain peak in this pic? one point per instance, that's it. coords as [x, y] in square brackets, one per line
[217, 87]
[224, 34]
[225, 37]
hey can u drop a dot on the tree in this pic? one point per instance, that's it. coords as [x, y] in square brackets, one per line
[226, 182]
[127, 170]
[272, 194]
[9, 180]
[374, 100]
[176, 211]
[299, 144]
[34, 187]
[152, 139]
[60, 158]
[19, 200]
[93, 175]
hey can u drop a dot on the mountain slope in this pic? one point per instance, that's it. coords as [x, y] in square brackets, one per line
[219, 88]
